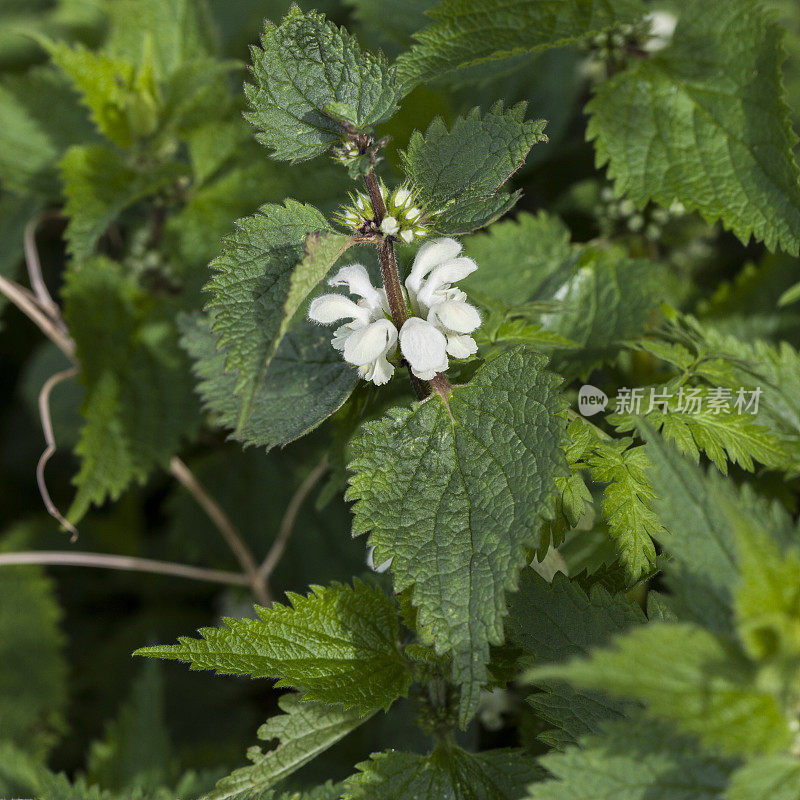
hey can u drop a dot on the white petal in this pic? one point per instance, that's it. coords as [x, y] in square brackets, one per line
[371, 562]
[428, 256]
[390, 226]
[328, 308]
[400, 196]
[356, 278]
[459, 346]
[341, 335]
[455, 315]
[407, 236]
[424, 347]
[379, 371]
[370, 343]
[444, 275]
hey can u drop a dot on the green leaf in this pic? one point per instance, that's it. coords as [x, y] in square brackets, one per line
[262, 277]
[33, 672]
[454, 492]
[598, 297]
[775, 777]
[468, 32]
[519, 257]
[305, 64]
[697, 535]
[304, 730]
[446, 773]
[305, 383]
[627, 502]
[139, 402]
[135, 752]
[30, 144]
[723, 437]
[174, 31]
[710, 690]
[704, 122]
[99, 185]
[337, 645]
[105, 85]
[607, 298]
[459, 172]
[635, 760]
[767, 599]
[551, 622]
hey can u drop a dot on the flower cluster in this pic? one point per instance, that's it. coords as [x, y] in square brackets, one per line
[441, 326]
[404, 218]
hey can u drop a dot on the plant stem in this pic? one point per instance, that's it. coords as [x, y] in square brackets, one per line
[394, 291]
[224, 525]
[129, 563]
[289, 518]
[50, 440]
[29, 305]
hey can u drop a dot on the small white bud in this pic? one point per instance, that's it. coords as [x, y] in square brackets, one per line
[401, 196]
[390, 226]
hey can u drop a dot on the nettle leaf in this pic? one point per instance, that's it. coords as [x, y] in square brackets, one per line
[711, 691]
[262, 277]
[303, 731]
[135, 751]
[306, 381]
[454, 492]
[551, 622]
[705, 122]
[30, 144]
[104, 84]
[459, 172]
[99, 185]
[468, 32]
[338, 645]
[600, 297]
[139, 402]
[723, 436]
[767, 599]
[627, 502]
[175, 31]
[33, 671]
[702, 571]
[308, 73]
[635, 759]
[521, 259]
[607, 298]
[445, 773]
[775, 777]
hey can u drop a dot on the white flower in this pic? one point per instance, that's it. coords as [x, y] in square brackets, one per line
[369, 337]
[662, 26]
[389, 226]
[444, 319]
[370, 559]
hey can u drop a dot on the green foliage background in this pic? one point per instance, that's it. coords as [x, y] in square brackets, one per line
[653, 242]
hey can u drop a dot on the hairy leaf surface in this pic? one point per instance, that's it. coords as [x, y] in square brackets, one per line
[454, 492]
[467, 32]
[305, 66]
[306, 381]
[337, 645]
[705, 122]
[258, 287]
[454, 773]
[459, 172]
